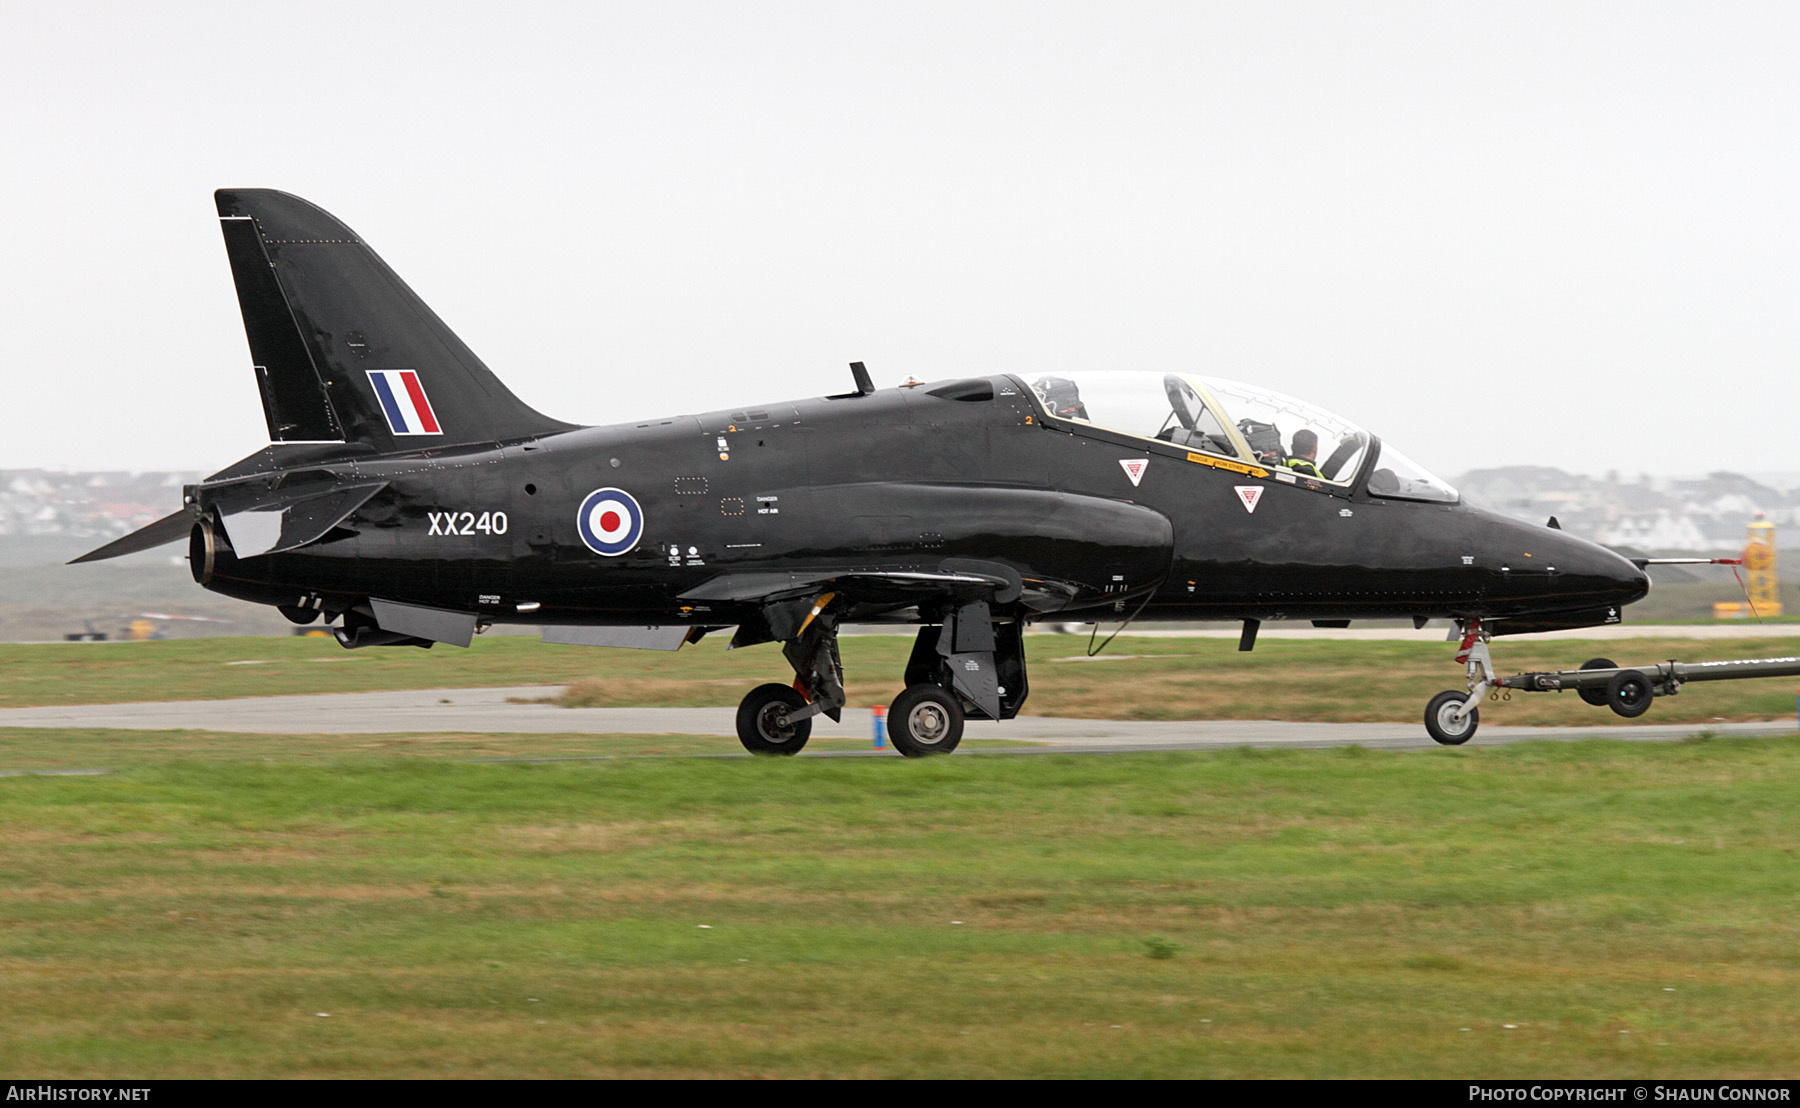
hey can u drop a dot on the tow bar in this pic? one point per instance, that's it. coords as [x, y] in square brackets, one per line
[1628, 690]
[1452, 716]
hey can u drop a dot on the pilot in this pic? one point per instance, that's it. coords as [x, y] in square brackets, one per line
[1304, 457]
[1062, 396]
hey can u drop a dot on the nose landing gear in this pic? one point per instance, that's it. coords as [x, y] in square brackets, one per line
[1452, 717]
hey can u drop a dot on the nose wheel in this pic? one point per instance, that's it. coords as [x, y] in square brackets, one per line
[1448, 722]
[1451, 717]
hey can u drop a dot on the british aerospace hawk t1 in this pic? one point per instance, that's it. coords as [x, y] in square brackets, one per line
[409, 498]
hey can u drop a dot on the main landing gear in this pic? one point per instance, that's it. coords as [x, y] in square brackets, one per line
[966, 666]
[769, 720]
[776, 720]
[925, 720]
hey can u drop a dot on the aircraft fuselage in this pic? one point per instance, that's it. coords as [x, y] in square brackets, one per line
[899, 480]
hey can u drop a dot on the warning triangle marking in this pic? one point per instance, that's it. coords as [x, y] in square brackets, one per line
[1249, 494]
[1134, 469]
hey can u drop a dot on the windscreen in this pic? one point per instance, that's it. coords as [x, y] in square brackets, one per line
[1398, 477]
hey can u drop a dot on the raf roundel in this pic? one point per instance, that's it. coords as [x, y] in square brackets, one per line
[610, 522]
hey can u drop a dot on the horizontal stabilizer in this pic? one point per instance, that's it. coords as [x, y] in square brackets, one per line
[631, 638]
[276, 525]
[168, 529]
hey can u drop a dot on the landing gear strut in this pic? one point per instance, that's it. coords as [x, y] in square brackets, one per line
[777, 719]
[1451, 717]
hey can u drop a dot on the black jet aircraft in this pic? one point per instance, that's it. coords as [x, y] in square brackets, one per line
[409, 498]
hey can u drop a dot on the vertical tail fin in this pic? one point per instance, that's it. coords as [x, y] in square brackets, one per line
[344, 351]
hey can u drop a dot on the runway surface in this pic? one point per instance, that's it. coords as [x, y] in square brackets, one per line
[1440, 632]
[520, 710]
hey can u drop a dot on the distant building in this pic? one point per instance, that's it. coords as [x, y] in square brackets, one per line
[1704, 515]
[86, 505]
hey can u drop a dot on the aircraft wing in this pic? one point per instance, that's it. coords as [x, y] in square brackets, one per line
[872, 584]
[787, 599]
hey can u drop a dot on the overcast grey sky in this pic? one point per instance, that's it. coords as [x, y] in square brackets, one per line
[1555, 233]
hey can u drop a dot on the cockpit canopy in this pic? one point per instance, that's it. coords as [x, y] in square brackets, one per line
[1244, 423]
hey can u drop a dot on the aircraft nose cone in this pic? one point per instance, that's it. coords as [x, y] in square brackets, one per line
[1616, 582]
[1632, 582]
[1543, 572]
[1596, 571]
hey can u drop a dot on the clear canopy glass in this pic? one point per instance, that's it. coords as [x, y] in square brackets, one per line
[1231, 419]
[1280, 430]
[1398, 477]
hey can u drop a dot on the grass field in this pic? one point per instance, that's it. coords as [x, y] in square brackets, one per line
[1691, 601]
[33, 749]
[235, 906]
[1136, 678]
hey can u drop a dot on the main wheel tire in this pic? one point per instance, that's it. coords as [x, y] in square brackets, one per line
[925, 720]
[1442, 721]
[1629, 693]
[761, 725]
[1596, 696]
